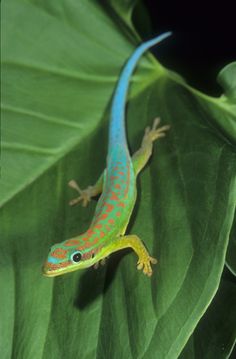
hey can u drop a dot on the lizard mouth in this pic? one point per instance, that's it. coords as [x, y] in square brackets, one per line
[53, 270]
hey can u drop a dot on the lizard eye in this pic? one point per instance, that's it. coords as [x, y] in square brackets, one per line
[76, 257]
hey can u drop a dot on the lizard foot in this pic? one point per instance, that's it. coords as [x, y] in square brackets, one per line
[145, 265]
[102, 262]
[151, 134]
[84, 195]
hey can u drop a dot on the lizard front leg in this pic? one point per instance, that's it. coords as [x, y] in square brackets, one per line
[85, 195]
[134, 242]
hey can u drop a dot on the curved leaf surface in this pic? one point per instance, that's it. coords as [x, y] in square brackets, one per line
[59, 74]
[215, 335]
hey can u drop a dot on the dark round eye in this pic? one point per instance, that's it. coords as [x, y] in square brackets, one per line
[76, 257]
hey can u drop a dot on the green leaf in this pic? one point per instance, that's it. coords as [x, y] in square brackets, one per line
[215, 334]
[227, 79]
[231, 251]
[61, 61]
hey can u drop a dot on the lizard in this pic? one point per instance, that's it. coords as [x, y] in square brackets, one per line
[117, 189]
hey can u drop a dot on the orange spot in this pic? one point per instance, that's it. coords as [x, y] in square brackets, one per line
[109, 207]
[87, 255]
[128, 179]
[59, 265]
[107, 228]
[103, 216]
[90, 232]
[84, 238]
[114, 196]
[117, 185]
[96, 239]
[115, 168]
[121, 204]
[102, 234]
[118, 214]
[81, 248]
[59, 253]
[121, 173]
[111, 221]
[87, 244]
[98, 226]
[112, 178]
[71, 242]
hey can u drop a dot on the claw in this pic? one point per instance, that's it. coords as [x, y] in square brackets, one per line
[145, 265]
[154, 133]
[85, 195]
[73, 184]
[75, 201]
[96, 265]
[102, 262]
[156, 122]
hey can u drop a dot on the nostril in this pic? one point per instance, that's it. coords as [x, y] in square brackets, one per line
[46, 267]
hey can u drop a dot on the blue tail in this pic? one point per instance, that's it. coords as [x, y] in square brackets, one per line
[117, 126]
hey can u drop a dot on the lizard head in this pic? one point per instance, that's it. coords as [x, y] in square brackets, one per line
[69, 256]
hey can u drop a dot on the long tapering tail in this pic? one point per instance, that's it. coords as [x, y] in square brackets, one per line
[117, 125]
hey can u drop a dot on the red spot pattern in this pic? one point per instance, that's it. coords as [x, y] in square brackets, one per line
[59, 253]
[90, 232]
[118, 214]
[88, 244]
[103, 216]
[88, 255]
[71, 242]
[109, 207]
[121, 204]
[114, 196]
[118, 186]
[53, 266]
[127, 182]
[111, 221]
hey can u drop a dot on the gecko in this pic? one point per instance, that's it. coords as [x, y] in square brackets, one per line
[117, 189]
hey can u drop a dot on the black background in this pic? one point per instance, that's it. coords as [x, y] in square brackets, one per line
[203, 41]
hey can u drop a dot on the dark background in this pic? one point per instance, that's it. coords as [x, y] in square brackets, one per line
[203, 41]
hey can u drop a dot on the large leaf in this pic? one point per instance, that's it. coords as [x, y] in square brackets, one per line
[215, 334]
[62, 61]
[231, 251]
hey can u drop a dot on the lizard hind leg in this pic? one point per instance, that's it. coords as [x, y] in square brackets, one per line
[152, 134]
[141, 156]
